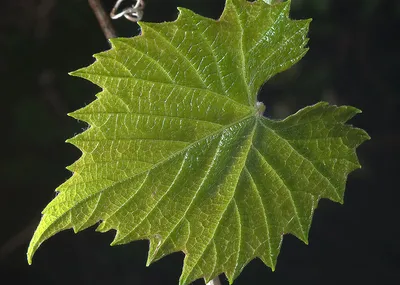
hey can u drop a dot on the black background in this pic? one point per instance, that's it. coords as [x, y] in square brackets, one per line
[353, 59]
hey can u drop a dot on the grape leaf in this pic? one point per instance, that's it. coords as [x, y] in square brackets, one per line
[178, 151]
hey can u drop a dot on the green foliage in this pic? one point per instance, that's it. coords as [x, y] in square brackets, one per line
[178, 151]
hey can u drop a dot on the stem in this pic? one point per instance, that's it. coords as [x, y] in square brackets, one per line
[103, 19]
[215, 281]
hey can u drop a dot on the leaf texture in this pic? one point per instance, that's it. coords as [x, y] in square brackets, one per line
[178, 153]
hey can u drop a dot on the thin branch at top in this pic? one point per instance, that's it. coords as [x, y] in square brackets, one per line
[103, 19]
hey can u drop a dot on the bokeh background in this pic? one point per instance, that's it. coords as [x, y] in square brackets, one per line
[353, 59]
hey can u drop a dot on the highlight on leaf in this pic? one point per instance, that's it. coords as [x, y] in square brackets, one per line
[178, 151]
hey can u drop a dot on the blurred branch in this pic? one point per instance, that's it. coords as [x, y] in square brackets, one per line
[51, 95]
[103, 19]
[43, 16]
[18, 240]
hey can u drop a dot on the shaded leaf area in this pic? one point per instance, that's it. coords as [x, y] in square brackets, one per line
[177, 152]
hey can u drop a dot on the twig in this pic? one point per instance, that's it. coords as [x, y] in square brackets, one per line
[103, 18]
[215, 281]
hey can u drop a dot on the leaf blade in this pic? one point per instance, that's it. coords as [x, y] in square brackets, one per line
[177, 152]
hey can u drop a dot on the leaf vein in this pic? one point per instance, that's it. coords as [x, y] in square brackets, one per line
[304, 157]
[179, 53]
[285, 186]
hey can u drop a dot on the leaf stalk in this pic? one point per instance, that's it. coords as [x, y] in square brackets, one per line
[215, 281]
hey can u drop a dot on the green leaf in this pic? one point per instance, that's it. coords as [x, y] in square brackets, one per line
[178, 151]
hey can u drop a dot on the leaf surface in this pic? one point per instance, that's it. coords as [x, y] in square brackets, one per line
[179, 153]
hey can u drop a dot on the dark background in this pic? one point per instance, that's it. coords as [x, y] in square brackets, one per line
[353, 59]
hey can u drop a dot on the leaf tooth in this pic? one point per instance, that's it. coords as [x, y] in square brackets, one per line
[73, 167]
[185, 14]
[78, 72]
[103, 227]
[118, 43]
[79, 115]
[76, 140]
[170, 243]
[344, 113]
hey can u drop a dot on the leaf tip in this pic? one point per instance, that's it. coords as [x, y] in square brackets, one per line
[29, 258]
[273, 267]
[33, 246]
